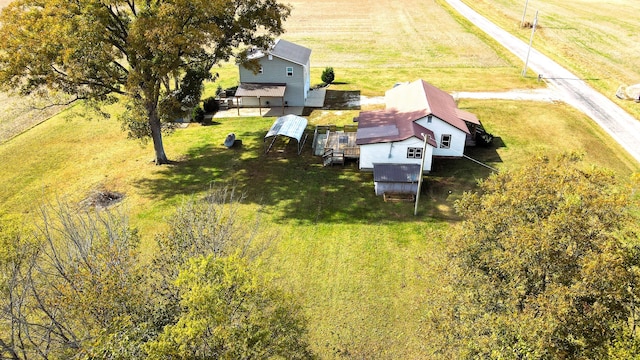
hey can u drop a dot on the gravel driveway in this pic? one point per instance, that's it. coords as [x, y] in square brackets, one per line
[622, 127]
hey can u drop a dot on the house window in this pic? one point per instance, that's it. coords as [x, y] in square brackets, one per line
[414, 153]
[445, 141]
[261, 71]
[429, 119]
[289, 71]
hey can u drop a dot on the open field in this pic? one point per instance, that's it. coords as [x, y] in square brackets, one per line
[366, 271]
[596, 40]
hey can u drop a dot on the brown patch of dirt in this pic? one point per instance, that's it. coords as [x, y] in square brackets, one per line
[102, 199]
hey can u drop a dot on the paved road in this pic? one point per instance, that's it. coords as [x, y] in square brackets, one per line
[622, 127]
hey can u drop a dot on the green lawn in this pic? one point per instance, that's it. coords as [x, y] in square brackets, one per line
[366, 271]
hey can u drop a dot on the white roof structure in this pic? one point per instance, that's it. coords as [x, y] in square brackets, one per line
[291, 126]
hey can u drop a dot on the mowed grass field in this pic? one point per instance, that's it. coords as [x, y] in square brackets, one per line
[598, 41]
[367, 272]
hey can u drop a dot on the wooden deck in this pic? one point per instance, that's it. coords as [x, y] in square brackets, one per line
[343, 142]
[335, 145]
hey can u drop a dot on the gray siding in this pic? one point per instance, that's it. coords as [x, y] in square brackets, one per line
[274, 71]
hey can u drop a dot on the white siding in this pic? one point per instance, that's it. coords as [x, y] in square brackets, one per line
[440, 127]
[393, 153]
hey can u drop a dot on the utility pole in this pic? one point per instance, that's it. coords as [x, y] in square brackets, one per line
[421, 175]
[533, 30]
[524, 13]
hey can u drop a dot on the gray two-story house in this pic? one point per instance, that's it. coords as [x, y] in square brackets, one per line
[283, 78]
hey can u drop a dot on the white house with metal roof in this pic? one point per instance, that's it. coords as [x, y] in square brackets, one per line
[283, 78]
[414, 111]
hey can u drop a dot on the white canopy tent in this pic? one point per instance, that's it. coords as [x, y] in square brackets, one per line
[291, 126]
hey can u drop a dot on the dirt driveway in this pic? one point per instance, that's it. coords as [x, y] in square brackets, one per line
[621, 126]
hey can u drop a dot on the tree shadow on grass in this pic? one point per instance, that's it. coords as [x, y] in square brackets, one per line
[297, 187]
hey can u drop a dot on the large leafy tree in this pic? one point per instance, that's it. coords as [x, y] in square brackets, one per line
[231, 311]
[74, 286]
[547, 264]
[69, 283]
[155, 54]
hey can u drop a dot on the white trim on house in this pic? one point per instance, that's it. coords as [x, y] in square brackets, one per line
[395, 153]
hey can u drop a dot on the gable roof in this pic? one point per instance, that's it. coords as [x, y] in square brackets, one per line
[289, 51]
[285, 50]
[389, 126]
[427, 99]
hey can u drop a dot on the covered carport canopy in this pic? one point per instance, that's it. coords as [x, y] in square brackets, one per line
[291, 126]
[261, 90]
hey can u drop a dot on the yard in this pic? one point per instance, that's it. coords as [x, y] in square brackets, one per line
[366, 271]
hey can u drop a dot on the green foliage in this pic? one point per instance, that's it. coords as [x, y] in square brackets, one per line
[156, 54]
[231, 312]
[78, 274]
[328, 76]
[548, 263]
[79, 289]
[197, 114]
[210, 105]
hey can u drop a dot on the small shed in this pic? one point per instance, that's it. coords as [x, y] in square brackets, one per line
[291, 126]
[399, 179]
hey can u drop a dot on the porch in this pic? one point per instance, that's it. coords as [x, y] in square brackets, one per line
[335, 146]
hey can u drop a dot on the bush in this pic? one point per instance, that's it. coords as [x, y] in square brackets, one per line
[210, 105]
[197, 114]
[328, 76]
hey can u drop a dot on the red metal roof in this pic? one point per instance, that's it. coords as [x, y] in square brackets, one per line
[405, 104]
[422, 96]
[468, 117]
[390, 125]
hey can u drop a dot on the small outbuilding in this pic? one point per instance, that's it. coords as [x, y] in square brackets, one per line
[290, 126]
[396, 179]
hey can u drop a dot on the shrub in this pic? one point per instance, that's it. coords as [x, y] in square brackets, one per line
[210, 105]
[197, 114]
[328, 75]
